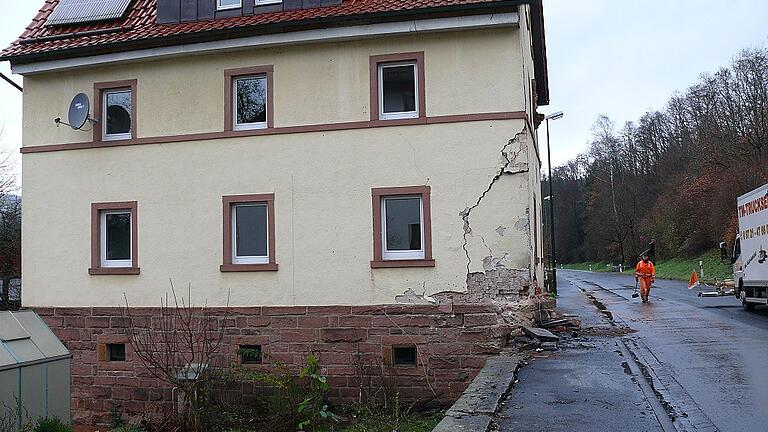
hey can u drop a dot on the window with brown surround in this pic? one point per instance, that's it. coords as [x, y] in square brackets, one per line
[249, 233]
[115, 110]
[402, 227]
[248, 98]
[112, 348]
[397, 87]
[114, 239]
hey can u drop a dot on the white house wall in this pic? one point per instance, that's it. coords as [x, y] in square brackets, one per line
[321, 180]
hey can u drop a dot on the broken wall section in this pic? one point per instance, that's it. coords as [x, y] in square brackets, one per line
[497, 234]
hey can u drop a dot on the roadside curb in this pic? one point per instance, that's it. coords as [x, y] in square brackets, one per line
[475, 409]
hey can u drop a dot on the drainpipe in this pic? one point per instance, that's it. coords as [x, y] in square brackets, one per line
[11, 82]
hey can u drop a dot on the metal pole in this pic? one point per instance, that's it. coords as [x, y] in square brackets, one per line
[552, 255]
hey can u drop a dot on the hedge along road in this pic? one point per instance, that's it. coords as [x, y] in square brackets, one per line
[700, 361]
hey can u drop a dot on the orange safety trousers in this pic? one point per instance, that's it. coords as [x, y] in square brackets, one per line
[645, 287]
[645, 272]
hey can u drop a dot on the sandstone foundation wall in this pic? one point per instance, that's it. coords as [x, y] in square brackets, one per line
[452, 342]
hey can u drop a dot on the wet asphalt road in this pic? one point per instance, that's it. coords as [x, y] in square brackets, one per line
[679, 363]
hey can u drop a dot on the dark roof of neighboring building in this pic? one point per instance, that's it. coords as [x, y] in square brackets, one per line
[138, 28]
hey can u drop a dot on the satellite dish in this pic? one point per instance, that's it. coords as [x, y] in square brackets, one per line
[78, 112]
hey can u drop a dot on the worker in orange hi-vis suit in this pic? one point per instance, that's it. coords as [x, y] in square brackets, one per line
[645, 273]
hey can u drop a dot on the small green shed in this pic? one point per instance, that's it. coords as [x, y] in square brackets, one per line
[35, 376]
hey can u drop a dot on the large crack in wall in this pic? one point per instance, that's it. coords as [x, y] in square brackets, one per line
[504, 275]
[509, 167]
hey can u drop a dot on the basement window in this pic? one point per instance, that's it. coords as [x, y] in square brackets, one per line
[404, 356]
[227, 4]
[250, 354]
[398, 87]
[116, 352]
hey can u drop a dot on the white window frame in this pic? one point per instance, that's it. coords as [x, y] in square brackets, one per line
[249, 126]
[267, 2]
[402, 114]
[248, 259]
[401, 254]
[220, 7]
[103, 240]
[118, 136]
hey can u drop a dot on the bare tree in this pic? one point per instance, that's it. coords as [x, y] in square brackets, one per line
[674, 174]
[10, 230]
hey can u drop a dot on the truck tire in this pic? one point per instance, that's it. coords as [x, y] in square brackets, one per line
[749, 307]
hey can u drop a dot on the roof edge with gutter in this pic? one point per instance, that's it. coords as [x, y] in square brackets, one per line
[317, 23]
[334, 34]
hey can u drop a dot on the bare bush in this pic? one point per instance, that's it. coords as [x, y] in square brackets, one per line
[180, 347]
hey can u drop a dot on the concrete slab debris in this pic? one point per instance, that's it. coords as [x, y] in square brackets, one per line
[541, 334]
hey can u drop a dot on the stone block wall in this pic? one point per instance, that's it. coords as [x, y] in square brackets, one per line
[452, 343]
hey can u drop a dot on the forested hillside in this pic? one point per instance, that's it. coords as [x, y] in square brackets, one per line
[673, 175]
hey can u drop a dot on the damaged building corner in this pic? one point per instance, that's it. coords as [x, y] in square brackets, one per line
[498, 241]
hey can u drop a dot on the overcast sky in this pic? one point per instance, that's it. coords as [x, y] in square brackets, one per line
[615, 57]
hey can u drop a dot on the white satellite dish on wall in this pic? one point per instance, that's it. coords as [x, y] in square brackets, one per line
[78, 113]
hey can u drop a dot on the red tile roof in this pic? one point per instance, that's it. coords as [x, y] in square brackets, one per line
[139, 24]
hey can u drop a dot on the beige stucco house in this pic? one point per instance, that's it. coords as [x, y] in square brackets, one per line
[317, 164]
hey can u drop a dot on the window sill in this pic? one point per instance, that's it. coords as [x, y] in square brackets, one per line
[117, 137]
[247, 267]
[409, 115]
[116, 141]
[114, 271]
[403, 263]
[249, 126]
[399, 122]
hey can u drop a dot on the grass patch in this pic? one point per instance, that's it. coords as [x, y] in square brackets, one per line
[677, 268]
[412, 421]
[602, 267]
[681, 268]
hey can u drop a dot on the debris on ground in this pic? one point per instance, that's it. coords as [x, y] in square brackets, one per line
[562, 325]
[541, 334]
[549, 346]
[554, 323]
[524, 343]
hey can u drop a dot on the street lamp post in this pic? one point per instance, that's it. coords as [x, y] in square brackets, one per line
[552, 255]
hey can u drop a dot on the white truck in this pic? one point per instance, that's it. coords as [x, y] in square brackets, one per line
[749, 257]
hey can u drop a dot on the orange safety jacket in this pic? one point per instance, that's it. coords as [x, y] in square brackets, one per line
[645, 270]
